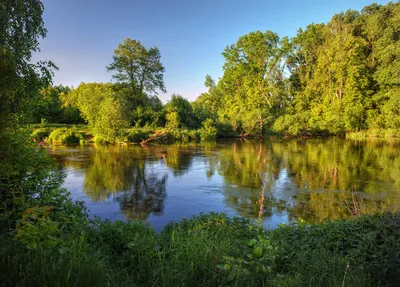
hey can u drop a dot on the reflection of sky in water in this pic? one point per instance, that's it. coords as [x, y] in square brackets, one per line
[163, 184]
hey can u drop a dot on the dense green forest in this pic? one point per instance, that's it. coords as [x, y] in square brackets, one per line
[330, 79]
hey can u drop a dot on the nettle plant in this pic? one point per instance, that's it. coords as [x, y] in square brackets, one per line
[37, 230]
[258, 263]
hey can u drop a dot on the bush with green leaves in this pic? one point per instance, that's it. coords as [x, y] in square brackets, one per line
[65, 136]
[208, 132]
[206, 250]
[136, 135]
[111, 120]
[256, 266]
[40, 134]
[173, 120]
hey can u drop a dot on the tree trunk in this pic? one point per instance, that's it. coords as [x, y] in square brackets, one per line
[155, 137]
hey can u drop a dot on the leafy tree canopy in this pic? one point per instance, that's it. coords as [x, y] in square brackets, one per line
[138, 66]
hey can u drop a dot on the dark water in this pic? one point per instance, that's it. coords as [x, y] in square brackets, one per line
[276, 181]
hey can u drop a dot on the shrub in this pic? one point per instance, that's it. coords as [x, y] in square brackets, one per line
[65, 136]
[194, 135]
[137, 135]
[225, 129]
[111, 121]
[128, 245]
[173, 120]
[40, 134]
[205, 250]
[208, 132]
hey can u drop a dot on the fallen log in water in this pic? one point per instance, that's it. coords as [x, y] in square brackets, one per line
[155, 137]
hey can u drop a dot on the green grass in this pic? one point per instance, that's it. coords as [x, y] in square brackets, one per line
[136, 135]
[211, 250]
[60, 133]
[54, 126]
[65, 136]
[40, 134]
[54, 133]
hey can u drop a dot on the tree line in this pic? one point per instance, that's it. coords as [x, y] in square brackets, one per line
[333, 78]
[329, 79]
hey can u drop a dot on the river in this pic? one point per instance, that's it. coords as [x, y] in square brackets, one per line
[274, 181]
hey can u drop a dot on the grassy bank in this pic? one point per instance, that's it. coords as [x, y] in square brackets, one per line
[71, 134]
[207, 250]
[60, 133]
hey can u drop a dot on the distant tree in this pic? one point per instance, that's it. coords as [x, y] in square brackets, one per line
[208, 104]
[173, 120]
[340, 86]
[102, 106]
[139, 67]
[253, 83]
[111, 120]
[301, 61]
[344, 75]
[50, 108]
[381, 28]
[183, 110]
[208, 132]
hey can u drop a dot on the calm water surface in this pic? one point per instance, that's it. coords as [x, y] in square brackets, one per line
[276, 181]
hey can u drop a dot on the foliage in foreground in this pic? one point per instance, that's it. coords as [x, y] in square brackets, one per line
[206, 250]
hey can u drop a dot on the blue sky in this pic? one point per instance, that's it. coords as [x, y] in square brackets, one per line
[191, 35]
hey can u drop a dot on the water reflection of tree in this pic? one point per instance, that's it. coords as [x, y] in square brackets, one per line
[127, 174]
[314, 180]
[77, 157]
[331, 179]
[146, 196]
[338, 179]
[249, 177]
[339, 164]
[178, 158]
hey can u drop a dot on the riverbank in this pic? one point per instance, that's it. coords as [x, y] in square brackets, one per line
[206, 250]
[375, 134]
[75, 134]
[70, 134]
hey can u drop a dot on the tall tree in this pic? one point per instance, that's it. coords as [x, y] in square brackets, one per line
[26, 175]
[253, 81]
[340, 85]
[138, 66]
[301, 62]
[21, 27]
[381, 28]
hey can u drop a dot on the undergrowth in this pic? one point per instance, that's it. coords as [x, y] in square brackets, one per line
[206, 250]
[65, 136]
